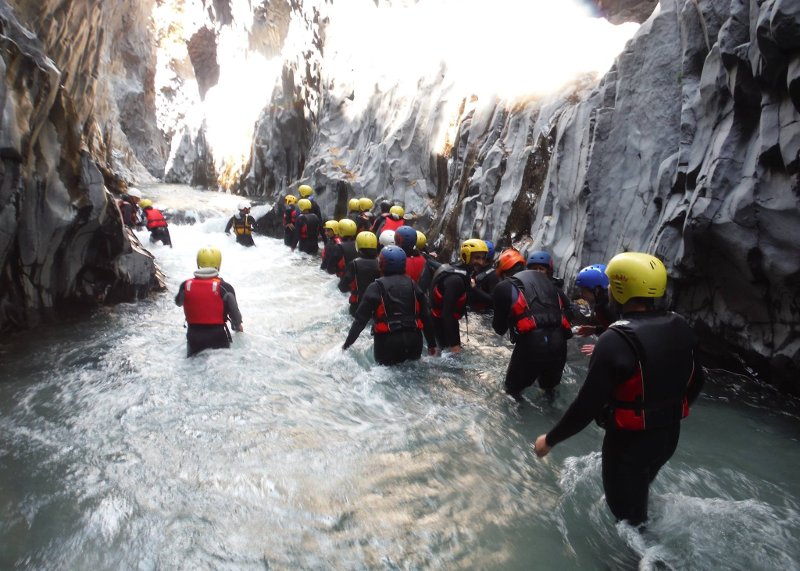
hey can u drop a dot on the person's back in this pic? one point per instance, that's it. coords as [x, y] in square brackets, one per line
[307, 229]
[399, 311]
[156, 223]
[361, 271]
[208, 302]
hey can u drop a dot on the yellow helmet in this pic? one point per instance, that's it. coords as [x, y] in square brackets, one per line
[365, 204]
[422, 241]
[352, 205]
[366, 241]
[290, 199]
[634, 274]
[145, 203]
[397, 210]
[209, 257]
[332, 225]
[471, 246]
[304, 204]
[305, 191]
[347, 228]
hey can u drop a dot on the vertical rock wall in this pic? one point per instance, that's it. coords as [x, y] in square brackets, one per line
[62, 240]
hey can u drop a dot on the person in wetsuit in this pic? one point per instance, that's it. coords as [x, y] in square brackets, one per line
[406, 238]
[527, 306]
[132, 216]
[289, 218]
[156, 223]
[449, 290]
[642, 377]
[344, 252]
[365, 219]
[483, 283]
[399, 312]
[592, 283]
[331, 229]
[242, 224]
[208, 302]
[306, 229]
[362, 271]
[431, 263]
[305, 191]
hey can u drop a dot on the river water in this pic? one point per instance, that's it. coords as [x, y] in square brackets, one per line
[118, 452]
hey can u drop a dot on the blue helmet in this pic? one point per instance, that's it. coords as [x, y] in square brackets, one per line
[406, 238]
[592, 276]
[490, 255]
[392, 260]
[540, 258]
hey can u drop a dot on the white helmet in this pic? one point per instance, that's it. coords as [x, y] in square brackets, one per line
[387, 238]
[134, 192]
[243, 205]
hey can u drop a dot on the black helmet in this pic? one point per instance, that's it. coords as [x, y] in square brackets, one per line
[392, 260]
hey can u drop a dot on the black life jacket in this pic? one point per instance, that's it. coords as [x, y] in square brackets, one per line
[308, 223]
[437, 299]
[654, 396]
[538, 305]
[365, 271]
[349, 253]
[399, 308]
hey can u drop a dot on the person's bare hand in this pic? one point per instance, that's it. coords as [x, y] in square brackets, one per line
[540, 446]
[587, 349]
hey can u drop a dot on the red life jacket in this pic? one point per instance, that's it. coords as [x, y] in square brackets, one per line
[392, 224]
[349, 254]
[202, 302]
[154, 218]
[654, 396]
[396, 311]
[538, 304]
[437, 300]
[290, 216]
[414, 267]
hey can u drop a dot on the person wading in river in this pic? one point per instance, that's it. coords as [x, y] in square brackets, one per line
[642, 377]
[208, 302]
[399, 311]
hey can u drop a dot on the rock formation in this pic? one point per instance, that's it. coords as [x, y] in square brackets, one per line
[62, 240]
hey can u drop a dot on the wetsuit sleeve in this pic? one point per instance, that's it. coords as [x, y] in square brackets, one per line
[477, 295]
[612, 360]
[452, 288]
[180, 295]
[425, 315]
[696, 384]
[347, 278]
[296, 232]
[501, 300]
[366, 309]
[231, 305]
[229, 225]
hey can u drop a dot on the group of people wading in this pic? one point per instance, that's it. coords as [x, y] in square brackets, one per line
[642, 372]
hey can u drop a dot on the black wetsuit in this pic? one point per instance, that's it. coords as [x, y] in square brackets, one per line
[357, 276]
[449, 290]
[306, 233]
[131, 213]
[540, 354]
[289, 221]
[200, 337]
[400, 297]
[340, 255]
[480, 296]
[632, 458]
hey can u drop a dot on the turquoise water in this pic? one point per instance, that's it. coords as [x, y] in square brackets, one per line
[118, 452]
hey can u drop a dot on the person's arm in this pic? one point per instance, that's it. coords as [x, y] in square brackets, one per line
[231, 307]
[348, 277]
[427, 322]
[501, 300]
[180, 295]
[612, 360]
[366, 309]
[229, 225]
[697, 382]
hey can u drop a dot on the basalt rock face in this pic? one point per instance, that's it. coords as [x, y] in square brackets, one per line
[687, 147]
[62, 242]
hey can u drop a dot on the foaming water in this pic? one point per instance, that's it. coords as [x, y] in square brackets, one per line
[116, 451]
